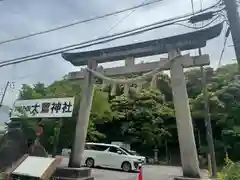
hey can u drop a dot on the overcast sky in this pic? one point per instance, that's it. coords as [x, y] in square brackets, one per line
[21, 17]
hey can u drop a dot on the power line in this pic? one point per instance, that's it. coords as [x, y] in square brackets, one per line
[224, 46]
[4, 93]
[80, 22]
[192, 3]
[224, 16]
[201, 4]
[57, 51]
[101, 39]
[125, 17]
[192, 6]
[88, 20]
[119, 22]
[199, 27]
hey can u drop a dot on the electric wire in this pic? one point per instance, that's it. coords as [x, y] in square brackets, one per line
[125, 17]
[119, 22]
[192, 3]
[81, 45]
[54, 52]
[199, 27]
[79, 22]
[201, 4]
[101, 39]
[224, 45]
[92, 19]
[192, 6]
[45, 54]
[224, 16]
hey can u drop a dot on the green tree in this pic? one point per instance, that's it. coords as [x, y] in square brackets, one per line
[224, 101]
[1, 176]
[141, 118]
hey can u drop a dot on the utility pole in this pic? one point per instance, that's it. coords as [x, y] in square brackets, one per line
[208, 125]
[211, 151]
[234, 23]
[4, 93]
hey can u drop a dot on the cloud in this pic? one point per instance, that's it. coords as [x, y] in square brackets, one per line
[19, 18]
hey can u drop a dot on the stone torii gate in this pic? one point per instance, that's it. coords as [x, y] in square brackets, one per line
[175, 63]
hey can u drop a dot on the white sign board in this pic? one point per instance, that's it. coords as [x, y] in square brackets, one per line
[33, 166]
[43, 108]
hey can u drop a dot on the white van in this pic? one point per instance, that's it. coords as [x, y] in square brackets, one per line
[110, 156]
[66, 152]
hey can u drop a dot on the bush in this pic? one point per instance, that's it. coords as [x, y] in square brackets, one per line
[231, 171]
[1, 176]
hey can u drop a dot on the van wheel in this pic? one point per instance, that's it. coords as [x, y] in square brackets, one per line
[126, 166]
[89, 162]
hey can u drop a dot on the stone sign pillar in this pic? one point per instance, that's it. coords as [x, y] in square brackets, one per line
[83, 117]
[189, 158]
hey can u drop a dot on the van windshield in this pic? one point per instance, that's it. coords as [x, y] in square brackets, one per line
[127, 151]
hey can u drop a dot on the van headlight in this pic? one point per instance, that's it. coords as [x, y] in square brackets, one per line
[143, 160]
[137, 165]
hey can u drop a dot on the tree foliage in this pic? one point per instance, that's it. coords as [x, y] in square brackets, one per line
[230, 171]
[224, 92]
[1, 176]
[142, 117]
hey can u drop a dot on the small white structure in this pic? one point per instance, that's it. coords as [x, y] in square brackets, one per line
[33, 166]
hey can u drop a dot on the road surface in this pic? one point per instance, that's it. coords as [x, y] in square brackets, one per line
[149, 173]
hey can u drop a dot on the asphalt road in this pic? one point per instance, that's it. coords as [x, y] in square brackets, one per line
[149, 173]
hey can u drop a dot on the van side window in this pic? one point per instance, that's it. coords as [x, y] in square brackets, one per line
[88, 147]
[99, 147]
[113, 149]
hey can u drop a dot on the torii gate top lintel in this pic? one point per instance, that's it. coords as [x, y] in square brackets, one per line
[183, 42]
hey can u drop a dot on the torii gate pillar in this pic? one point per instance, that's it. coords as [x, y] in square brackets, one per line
[189, 158]
[83, 117]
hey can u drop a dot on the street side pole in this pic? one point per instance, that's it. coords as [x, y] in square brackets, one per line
[208, 125]
[4, 93]
[234, 23]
